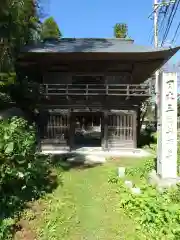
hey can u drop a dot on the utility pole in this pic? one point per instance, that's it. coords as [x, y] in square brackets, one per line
[156, 9]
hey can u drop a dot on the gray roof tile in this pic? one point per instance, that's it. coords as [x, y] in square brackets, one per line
[89, 45]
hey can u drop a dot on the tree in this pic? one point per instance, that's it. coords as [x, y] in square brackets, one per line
[19, 25]
[19, 22]
[50, 30]
[120, 30]
[178, 106]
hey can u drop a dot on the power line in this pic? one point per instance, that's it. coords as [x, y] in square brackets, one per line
[158, 6]
[163, 22]
[170, 20]
[163, 9]
[168, 24]
[175, 35]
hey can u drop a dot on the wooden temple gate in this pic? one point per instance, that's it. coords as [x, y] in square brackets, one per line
[116, 129]
[103, 74]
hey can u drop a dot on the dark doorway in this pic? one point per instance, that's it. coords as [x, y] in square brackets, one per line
[87, 129]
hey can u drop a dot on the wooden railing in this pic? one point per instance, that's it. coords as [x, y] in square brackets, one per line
[95, 90]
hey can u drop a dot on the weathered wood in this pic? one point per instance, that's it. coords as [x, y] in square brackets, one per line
[71, 131]
[120, 130]
[105, 123]
[99, 102]
[96, 90]
[56, 128]
[91, 63]
[85, 96]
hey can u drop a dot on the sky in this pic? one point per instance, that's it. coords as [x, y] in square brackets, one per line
[96, 18]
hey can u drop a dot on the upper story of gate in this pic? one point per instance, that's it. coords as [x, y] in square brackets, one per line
[92, 67]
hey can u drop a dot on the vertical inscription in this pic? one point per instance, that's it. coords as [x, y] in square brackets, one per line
[169, 118]
[167, 133]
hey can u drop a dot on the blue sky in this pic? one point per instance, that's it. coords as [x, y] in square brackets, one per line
[96, 18]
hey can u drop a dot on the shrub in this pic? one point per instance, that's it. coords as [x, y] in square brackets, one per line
[155, 213]
[178, 154]
[142, 170]
[146, 138]
[24, 174]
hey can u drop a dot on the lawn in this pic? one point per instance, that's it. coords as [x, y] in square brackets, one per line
[85, 206]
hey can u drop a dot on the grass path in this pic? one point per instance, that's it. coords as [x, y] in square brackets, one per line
[84, 208]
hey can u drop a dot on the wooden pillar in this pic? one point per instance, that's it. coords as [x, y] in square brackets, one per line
[105, 122]
[134, 126]
[138, 125]
[71, 130]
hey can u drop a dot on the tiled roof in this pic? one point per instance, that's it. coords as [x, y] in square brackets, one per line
[113, 45]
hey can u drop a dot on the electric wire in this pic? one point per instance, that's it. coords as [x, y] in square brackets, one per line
[170, 20]
[176, 33]
[163, 23]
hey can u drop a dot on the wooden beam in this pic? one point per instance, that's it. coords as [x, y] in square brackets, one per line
[105, 123]
[71, 130]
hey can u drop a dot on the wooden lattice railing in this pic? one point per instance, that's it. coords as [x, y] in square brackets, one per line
[95, 90]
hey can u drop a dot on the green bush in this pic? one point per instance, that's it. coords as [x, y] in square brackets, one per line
[156, 213]
[158, 217]
[146, 138]
[178, 154]
[142, 170]
[24, 174]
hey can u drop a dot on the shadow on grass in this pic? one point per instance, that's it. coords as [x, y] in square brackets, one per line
[72, 161]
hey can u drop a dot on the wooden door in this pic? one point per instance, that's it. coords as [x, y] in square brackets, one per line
[56, 131]
[121, 130]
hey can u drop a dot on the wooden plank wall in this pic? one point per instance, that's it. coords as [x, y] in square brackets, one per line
[121, 131]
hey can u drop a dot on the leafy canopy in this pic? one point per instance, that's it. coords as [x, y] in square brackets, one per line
[19, 23]
[120, 30]
[50, 30]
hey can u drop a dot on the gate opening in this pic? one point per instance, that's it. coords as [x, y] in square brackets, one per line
[87, 130]
[108, 130]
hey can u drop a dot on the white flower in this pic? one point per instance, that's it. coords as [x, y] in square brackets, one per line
[29, 165]
[20, 175]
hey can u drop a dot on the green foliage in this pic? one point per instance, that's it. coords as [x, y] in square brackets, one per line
[113, 178]
[178, 155]
[24, 174]
[19, 25]
[155, 213]
[6, 228]
[120, 30]
[17, 140]
[178, 107]
[146, 137]
[50, 30]
[175, 194]
[26, 94]
[6, 79]
[142, 170]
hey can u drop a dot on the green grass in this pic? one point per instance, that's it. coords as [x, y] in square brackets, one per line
[84, 207]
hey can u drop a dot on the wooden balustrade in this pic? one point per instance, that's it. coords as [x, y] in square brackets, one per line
[96, 90]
